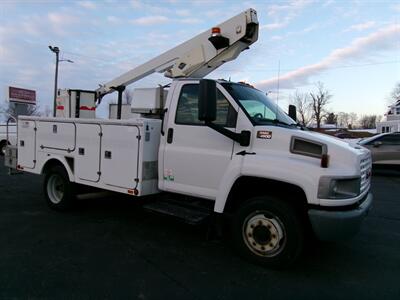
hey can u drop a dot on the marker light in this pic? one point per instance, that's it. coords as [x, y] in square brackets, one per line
[215, 31]
[324, 160]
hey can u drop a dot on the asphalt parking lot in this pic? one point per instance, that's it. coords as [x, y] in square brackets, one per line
[110, 248]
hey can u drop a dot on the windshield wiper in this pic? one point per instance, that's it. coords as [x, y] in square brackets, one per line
[276, 121]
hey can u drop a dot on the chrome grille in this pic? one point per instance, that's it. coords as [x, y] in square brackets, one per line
[365, 171]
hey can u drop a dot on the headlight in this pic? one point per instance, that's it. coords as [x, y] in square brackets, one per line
[338, 187]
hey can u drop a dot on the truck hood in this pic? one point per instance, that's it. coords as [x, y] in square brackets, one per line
[343, 157]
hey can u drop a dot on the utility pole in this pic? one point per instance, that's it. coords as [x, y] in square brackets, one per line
[56, 50]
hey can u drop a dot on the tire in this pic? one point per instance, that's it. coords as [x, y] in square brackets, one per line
[3, 145]
[268, 231]
[58, 190]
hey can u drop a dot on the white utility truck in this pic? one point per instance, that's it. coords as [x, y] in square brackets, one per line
[204, 148]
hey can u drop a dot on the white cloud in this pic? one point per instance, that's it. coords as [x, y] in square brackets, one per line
[288, 7]
[283, 14]
[328, 3]
[189, 21]
[87, 4]
[276, 25]
[150, 20]
[361, 26]
[61, 19]
[183, 12]
[113, 19]
[381, 40]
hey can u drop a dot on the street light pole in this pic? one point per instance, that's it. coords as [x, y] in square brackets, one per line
[56, 50]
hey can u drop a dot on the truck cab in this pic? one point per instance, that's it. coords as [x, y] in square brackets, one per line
[323, 179]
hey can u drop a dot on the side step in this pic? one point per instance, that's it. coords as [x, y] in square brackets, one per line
[189, 214]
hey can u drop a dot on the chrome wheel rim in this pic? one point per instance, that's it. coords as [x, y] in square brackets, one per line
[55, 188]
[264, 234]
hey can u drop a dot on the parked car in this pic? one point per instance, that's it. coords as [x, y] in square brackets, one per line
[384, 147]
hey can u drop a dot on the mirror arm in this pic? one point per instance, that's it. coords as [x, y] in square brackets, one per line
[237, 137]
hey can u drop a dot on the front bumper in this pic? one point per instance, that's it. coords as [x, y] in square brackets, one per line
[330, 225]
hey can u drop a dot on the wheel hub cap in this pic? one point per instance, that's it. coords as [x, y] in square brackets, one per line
[55, 189]
[264, 236]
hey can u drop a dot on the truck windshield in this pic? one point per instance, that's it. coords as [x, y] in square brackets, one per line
[258, 106]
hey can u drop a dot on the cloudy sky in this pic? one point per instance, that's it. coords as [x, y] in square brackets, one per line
[353, 47]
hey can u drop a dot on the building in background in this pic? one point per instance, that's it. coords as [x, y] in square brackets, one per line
[392, 122]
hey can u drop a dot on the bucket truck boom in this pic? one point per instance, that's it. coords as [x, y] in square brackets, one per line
[198, 56]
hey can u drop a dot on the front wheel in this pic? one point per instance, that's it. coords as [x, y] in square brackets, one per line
[268, 231]
[59, 191]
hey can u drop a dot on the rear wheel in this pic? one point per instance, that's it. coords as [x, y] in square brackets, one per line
[268, 231]
[59, 191]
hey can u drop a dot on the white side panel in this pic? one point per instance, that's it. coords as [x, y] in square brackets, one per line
[56, 135]
[87, 158]
[63, 104]
[87, 106]
[120, 155]
[26, 144]
[148, 167]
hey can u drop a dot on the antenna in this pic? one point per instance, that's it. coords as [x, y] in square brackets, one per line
[277, 93]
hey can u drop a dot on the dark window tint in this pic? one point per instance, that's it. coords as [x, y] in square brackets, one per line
[187, 111]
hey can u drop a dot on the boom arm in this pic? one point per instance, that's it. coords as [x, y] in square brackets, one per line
[198, 56]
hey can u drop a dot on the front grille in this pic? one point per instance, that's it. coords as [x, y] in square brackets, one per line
[365, 170]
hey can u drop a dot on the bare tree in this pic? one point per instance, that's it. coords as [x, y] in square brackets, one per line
[353, 118]
[303, 106]
[368, 122]
[331, 118]
[319, 100]
[13, 109]
[343, 119]
[395, 94]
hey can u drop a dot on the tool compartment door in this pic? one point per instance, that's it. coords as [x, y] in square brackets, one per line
[56, 136]
[27, 144]
[120, 155]
[88, 139]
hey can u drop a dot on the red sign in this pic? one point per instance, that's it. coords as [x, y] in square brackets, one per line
[21, 95]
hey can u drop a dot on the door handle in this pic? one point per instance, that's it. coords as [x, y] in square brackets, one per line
[170, 135]
[162, 120]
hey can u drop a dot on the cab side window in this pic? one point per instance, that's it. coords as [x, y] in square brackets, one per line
[187, 110]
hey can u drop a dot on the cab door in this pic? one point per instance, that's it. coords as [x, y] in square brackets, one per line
[196, 156]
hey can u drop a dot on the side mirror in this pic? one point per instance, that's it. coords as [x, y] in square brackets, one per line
[244, 138]
[292, 112]
[377, 144]
[207, 100]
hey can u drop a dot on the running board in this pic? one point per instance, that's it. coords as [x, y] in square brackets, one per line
[186, 213]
